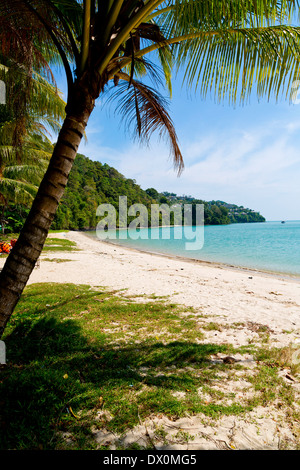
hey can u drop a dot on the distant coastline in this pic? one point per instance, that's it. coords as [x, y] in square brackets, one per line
[237, 308]
[92, 183]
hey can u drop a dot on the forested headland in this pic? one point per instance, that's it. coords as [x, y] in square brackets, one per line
[92, 183]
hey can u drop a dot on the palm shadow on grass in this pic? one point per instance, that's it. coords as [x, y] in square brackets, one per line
[57, 367]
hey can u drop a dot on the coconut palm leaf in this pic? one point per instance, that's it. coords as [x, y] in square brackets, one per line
[236, 61]
[25, 150]
[25, 173]
[17, 191]
[231, 48]
[228, 48]
[144, 110]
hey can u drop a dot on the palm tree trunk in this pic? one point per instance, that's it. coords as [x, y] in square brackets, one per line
[23, 257]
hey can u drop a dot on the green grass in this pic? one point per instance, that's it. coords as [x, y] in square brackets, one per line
[104, 344]
[59, 244]
[51, 244]
[74, 351]
[58, 231]
[57, 260]
[7, 237]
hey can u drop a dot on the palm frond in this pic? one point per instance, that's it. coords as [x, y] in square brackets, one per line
[166, 59]
[29, 174]
[238, 60]
[230, 47]
[144, 109]
[184, 17]
[17, 191]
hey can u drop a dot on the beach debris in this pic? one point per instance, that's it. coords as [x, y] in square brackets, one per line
[101, 402]
[229, 360]
[258, 327]
[290, 377]
[72, 413]
[5, 247]
[81, 377]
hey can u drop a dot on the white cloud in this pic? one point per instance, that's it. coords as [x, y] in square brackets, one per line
[292, 126]
[257, 167]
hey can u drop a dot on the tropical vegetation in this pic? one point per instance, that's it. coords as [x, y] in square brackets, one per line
[32, 110]
[88, 365]
[92, 183]
[227, 48]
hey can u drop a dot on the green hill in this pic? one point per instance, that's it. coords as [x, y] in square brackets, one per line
[215, 212]
[92, 183]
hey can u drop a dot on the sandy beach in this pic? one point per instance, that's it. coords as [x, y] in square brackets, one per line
[241, 300]
[232, 295]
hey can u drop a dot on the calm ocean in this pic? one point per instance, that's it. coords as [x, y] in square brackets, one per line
[268, 246]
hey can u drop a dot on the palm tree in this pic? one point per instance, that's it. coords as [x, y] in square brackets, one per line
[25, 148]
[225, 47]
[19, 180]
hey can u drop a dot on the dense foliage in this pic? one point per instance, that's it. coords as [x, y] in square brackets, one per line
[215, 212]
[30, 109]
[224, 48]
[92, 183]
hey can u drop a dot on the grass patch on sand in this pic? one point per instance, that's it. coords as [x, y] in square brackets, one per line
[80, 359]
[57, 260]
[51, 243]
[58, 231]
[7, 237]
[59, 244]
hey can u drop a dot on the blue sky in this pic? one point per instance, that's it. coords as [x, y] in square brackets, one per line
[248, 155]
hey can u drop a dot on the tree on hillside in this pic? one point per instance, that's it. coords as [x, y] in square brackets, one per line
[223, 46]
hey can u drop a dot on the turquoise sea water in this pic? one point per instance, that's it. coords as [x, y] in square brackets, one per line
[268, 246]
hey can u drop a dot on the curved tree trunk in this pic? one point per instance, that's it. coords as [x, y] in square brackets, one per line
[23, 257]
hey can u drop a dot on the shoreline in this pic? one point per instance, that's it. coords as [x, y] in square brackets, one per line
[230, 294]
[218, 264]
[247, 310]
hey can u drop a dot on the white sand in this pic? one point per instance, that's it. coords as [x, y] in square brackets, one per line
[224, 295]
[231, 295]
